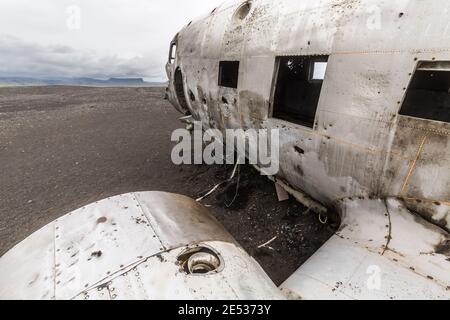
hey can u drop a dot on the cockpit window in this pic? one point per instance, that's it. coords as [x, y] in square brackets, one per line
[428, 95]
[173, 52]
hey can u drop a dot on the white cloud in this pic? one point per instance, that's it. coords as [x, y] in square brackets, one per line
[115, 38]
[35, 60]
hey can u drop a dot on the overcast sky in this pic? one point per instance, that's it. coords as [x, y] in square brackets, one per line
[92, 38]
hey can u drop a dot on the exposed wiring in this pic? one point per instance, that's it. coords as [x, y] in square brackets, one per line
[237, 188]
[323, 221]
[217, 186]
[266, 245]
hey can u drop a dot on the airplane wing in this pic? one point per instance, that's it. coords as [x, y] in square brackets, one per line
[149, 245]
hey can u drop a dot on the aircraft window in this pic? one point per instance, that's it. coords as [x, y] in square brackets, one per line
[298, 88]
[173, 52]
[228, 74]
[243, 11]
[428, 95]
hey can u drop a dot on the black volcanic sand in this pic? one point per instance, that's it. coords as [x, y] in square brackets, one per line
[64, 147]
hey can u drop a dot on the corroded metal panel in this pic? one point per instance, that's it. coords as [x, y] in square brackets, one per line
[128, 247]
[95, 241]
[382, 251]
[178, 221]
[160, 277]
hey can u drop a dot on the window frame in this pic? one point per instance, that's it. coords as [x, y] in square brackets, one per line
[275, 79]
[235, 68]
[422, 66]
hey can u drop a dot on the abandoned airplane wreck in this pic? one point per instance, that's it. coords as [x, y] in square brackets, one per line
[360, 93]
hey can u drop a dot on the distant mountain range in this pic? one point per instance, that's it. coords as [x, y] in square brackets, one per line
[112, 82]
